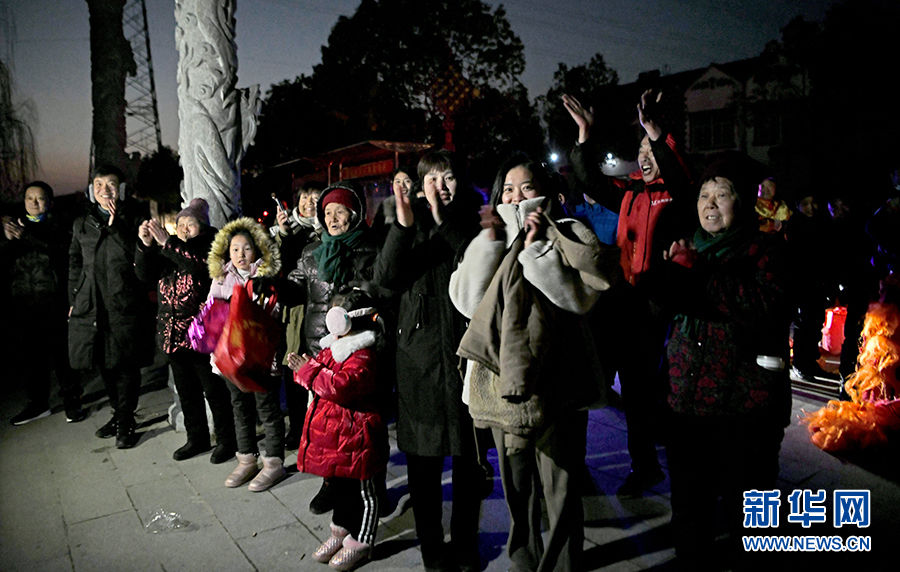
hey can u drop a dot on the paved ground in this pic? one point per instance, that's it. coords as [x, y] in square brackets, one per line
[70, 501]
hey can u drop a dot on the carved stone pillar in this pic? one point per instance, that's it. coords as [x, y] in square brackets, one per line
[217, 122]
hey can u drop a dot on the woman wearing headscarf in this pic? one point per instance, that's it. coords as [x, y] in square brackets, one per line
[343, 256]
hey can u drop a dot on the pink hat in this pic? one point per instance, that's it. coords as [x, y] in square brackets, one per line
[198, 208]
[338, 321]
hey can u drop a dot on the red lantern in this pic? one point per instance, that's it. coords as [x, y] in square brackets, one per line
[833, 330]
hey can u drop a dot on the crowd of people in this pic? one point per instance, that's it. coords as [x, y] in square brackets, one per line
[472, 326]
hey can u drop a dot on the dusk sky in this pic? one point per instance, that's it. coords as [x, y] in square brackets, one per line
[280, 39]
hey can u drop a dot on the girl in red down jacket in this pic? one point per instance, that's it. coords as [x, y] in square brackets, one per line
[344, 436]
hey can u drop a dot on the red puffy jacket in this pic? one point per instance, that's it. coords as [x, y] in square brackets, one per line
[344, 434]
[647, 222]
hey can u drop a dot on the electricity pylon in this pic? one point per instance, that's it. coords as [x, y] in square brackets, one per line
[141, 112]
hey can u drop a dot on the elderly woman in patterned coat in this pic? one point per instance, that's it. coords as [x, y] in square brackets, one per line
[729, 391]
[179, 264]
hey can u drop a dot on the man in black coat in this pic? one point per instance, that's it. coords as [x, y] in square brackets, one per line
[106, 302]
[34, 261]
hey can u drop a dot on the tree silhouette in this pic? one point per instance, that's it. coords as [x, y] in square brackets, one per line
[846, 119]
[18, 160]
[378, 78]
[856, 112]
[159, 179]
[111, 61]
[493, 126]
[591, 83]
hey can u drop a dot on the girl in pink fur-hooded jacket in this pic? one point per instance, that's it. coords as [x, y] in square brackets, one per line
[242, 250]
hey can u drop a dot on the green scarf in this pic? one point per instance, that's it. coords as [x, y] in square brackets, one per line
[335, 256]
[713, 248]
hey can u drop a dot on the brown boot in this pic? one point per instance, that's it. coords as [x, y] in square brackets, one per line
[245, 470]
[272, 472]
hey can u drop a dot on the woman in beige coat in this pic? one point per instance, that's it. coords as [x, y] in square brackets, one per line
[526, 282]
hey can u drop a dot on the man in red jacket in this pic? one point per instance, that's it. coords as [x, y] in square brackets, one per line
[651, 206]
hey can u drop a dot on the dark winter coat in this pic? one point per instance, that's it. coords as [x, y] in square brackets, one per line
[302, 232]
[807, 242]
[730, 310]
[417, 263]
[183, 283]
[344, 434]
[35, 265]
[109, 303]
[33, 289]
[315, 293]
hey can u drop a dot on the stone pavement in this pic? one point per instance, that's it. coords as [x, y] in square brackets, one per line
[70, 501]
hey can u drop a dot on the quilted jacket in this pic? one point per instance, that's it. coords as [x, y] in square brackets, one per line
[344, 434]
[179, 266]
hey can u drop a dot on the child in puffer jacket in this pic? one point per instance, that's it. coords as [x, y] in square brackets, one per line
[344, 436]
[241, 251]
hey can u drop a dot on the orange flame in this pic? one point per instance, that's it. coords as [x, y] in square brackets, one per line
[874, 389]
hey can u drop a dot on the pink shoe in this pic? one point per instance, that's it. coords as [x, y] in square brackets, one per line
[331, 546]
[245, 470]
[352, 554]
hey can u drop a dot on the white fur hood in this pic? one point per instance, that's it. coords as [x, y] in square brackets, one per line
[343, 347]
